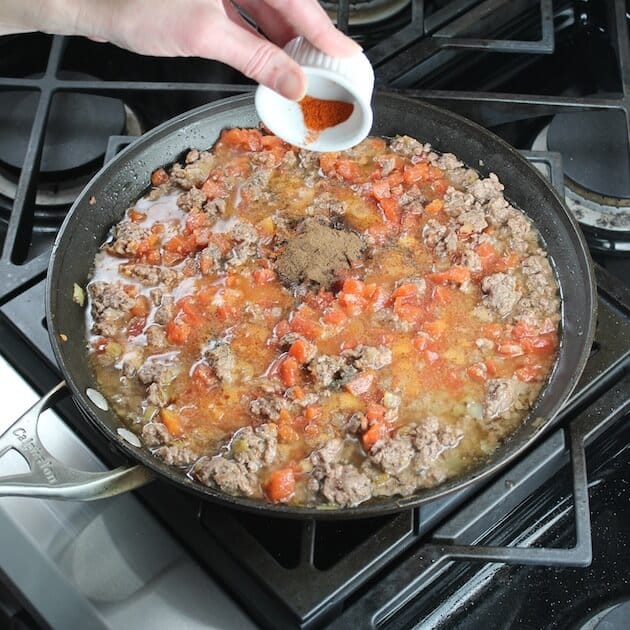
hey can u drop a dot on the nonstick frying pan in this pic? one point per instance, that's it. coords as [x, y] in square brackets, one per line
[124, 179]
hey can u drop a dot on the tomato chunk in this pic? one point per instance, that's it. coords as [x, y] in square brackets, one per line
[281, 485]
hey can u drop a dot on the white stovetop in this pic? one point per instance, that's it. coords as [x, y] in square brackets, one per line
[105, 564]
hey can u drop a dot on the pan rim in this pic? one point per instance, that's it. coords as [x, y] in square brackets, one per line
[371, 508]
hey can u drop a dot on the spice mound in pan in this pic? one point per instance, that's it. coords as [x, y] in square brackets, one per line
[322, 328]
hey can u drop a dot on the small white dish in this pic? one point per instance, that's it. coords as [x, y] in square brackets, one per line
[348, 79]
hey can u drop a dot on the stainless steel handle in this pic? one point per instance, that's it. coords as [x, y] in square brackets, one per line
[52, 479]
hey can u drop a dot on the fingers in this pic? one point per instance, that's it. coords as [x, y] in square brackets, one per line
[271, 23]
[307, 18]
[255, 57]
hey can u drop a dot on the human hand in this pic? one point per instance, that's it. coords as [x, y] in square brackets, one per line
[212, 29]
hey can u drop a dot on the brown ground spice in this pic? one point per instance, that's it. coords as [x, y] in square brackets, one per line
[316, 254]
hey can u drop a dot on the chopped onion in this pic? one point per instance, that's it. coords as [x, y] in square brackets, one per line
[475, 410]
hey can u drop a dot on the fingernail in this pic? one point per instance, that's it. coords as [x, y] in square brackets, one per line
[291, 85]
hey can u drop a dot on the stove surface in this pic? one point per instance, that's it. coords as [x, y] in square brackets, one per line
[531, 71]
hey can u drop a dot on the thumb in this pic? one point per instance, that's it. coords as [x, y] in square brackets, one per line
[258, 59]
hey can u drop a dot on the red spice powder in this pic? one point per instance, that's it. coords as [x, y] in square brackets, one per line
[319, 114]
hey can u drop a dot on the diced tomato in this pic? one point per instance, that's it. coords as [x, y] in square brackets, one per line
[135, 216]
[430, 356]
[416, 172]
[282, 328]
[203, 377]
[456, 274]
[391, 209]
[404, 291]
[289, 371]
[380, 189]
[420, 341]
[281, 485]
[493, 330]
[407, 311]
[375, 412]
[351, 285]
[178, 332]
[181, 244]
[360, 383]
[505, 263]
[310, 329]
[351, 303]
[485, 250]
[379, 298]
[212, 189]
[313, 412]
[510, 349]
[311, 430]
[301, 351]
[195, 220]
[435, 207]
[193, 313]
[541, 345]
[374, 433]
[348, 170]
[528, 373]
[435, 328]
[141, 307]
[298, 393]
[335, 316]
[492, 367]
[172, 421]
[327, 162]
[478, 372]
[159, 177]
[136, 326]
[245, 139]
[443, 294]
[522, 329]
[264, 276]
[287, 434]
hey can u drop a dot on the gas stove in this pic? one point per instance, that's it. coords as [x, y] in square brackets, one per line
[553, 79]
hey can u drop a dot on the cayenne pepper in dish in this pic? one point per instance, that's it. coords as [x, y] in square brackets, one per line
[320, 114]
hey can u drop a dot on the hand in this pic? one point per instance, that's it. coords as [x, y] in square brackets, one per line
[213, 29]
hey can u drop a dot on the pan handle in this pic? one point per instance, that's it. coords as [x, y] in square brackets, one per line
[50, 478]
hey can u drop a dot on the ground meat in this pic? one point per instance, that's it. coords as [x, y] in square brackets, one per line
[324, 457]
[345, 486]
[393, 454]
[441, 238]
[255, 448]
[127, 237]
[463, 177]
[471, 260]
[501, 292]
[328, 202]
[157, 396]
[412, 200]
[472, 221]
[538, 276]
[329, 370]
[485, 190]
[430, 439]
[193, 155]
[222, 360]
[210, 259]
[194, 199]
[387, 164]
[229, 476]
[155, 434]
[181, 177]
[244, 233]
[409, 147]
[369, 357]
[267, 407]
[156, 371]
[150, 275]
[156, 337]
[165, 313]
[501, 396]
[448, 162]
[156, 296]
[456, 202]
[110, 306]
[175, 455]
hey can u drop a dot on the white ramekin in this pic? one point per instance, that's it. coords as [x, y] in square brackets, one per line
[349, 79]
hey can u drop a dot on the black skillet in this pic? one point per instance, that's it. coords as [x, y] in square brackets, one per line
[124, 179]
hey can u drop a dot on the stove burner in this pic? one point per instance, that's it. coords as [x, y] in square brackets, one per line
[612, 618]
[596, 175]
[76, 134]
[364, 12]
